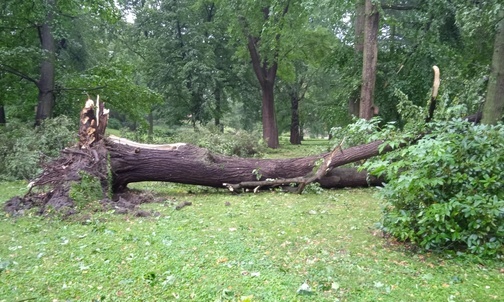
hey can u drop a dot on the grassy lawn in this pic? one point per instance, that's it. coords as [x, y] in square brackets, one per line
[224, 247]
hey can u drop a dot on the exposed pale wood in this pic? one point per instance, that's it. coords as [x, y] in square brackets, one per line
[127, 142]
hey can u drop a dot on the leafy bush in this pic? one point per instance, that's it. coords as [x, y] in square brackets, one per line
[446, 192]
[23, 147]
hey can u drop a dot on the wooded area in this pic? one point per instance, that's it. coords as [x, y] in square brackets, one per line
[159, 63]
[288, 64]
[198, 90]
[115, 162]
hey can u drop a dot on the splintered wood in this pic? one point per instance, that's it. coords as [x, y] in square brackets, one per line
[93, 122]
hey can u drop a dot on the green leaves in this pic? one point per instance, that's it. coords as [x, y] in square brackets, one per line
[446, 191]
[23, 148]
[118, 87]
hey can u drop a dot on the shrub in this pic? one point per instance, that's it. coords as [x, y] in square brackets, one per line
[446, 192]
[23, 147]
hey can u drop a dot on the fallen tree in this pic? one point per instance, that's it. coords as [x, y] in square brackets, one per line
[116, 162]
[188, 164]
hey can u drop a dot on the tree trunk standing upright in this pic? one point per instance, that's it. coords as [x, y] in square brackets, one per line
[295, 130]
[265, 70]
[360, 16]
[150, 131]
[296, 94]
[45, 83]
[266, 75]
[270, 129]
[2, 115]
[494, 103]
[353, 103]
[370, 57]
[218, 107]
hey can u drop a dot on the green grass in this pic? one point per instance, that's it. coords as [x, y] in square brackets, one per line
[307, 148]
[227, 247]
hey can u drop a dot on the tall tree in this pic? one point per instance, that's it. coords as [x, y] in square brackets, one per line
[359, 20]
[263, 26]
[37, 28]
[494, 103]
[265, 69]
[370, 58]
[46, 81]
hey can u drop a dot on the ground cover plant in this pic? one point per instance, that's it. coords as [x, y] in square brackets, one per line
[273, 246]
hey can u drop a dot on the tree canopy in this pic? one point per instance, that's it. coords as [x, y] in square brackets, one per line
[280, 65]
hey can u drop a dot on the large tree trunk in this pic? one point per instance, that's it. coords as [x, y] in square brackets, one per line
[129, 162]
[265, 70]
[270, 129]
[266, 75]
[494, 103]
[45, 83]
[354, 101]
[188, 164]
[370, 57]
[359, 21]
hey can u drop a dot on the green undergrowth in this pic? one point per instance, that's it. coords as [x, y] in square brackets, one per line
[224, 247]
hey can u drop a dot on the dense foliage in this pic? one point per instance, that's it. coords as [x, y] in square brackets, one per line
[23, 148]
[445, 192]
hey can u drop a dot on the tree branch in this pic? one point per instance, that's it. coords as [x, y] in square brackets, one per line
[18, 73]
[398, 7]
[82, 89]
[302, 181]
[256, 60]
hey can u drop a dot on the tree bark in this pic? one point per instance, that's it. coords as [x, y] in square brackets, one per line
[218, 107]
[266, 75]
[45, 84]
[354, 101]
[270, 129]
[370, 57]
[494, 103]
[184, 163]
[150, 119]
[360, 16]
